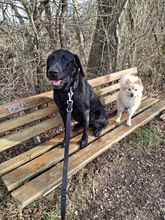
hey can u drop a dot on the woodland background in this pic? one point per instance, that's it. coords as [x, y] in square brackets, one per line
[127, 182]
[107, 35]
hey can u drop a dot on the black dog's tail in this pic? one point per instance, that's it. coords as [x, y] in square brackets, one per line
[111, 115]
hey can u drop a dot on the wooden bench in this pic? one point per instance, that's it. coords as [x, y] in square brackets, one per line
[38, 170]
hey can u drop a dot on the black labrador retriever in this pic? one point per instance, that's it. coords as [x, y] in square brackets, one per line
[64, 70]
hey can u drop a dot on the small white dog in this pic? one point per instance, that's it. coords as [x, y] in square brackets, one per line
[130, 96]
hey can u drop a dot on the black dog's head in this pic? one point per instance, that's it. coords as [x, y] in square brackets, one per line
[61, 66]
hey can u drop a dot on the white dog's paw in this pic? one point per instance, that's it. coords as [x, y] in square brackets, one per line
[117, 120]
[129, 123]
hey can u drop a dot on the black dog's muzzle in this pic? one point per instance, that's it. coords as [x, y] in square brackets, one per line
[57, 84]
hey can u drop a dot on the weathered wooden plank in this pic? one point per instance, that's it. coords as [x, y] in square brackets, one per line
[52, 178]
[27, 133]
[24, 104]
[111, 77]
[108, 89]
[25, 119]
[29, 155]
[105, 100]
[18, 176]
[109, 98]
[38, 165]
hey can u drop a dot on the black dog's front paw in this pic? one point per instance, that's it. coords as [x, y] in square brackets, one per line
[82, 143]
[97, 132]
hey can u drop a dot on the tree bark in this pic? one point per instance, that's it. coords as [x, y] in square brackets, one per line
[51, 29]
[104, 49]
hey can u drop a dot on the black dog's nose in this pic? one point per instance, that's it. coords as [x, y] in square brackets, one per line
[53, 72]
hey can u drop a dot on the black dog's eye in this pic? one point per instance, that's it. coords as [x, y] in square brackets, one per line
[64, 59]
[51, 59]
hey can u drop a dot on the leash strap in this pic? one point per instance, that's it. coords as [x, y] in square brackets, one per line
[66, 152]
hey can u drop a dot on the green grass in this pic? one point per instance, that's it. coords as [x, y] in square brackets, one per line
[144, 139]
[52, 215]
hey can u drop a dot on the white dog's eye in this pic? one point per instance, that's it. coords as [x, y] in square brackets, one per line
[129, 89]
[136, 90]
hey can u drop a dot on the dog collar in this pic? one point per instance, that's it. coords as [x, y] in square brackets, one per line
[126, 108]
[75, 82]
[71, 82]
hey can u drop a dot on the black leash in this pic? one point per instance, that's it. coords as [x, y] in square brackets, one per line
[66, 152]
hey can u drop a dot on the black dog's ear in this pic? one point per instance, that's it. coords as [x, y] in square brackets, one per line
[47, 66]
[78, 64]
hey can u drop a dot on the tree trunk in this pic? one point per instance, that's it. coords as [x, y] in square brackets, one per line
[52, 30]
[104, 49]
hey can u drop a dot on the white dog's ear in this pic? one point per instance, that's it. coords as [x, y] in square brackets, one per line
[127, 81]
[139, 82]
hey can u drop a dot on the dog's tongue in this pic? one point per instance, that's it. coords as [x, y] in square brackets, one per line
[56, 82]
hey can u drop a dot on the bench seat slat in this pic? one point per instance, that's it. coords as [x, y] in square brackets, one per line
[38, 165]
[111, 77]
[27, 156]
[24, 104]
[27, 133]
[26, 119]
[17, 177]
[52, 178]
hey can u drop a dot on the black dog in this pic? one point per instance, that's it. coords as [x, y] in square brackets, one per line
[64, 70]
